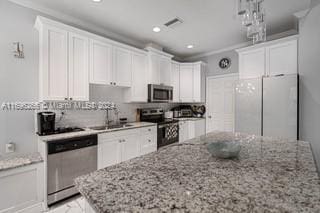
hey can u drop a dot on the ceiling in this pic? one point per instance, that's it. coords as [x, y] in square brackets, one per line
[208, 24]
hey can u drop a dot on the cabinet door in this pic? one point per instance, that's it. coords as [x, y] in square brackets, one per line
[282, 58]
[165, 71]
[108, 152]
[191, 130]
[54, 58]
[122, 67]
[176, 82]
[252, 63]
[183, 131]
[78, 67]
[130, 147]
[186, 83]
[199, 127]
[148, 144]
[100, 63]
[154, 69]
[139, 78]
[197, 83]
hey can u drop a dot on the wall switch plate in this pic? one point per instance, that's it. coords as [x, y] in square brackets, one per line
[10, 147]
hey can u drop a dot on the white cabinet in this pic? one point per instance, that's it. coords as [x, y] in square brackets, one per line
[165, 71]
[282, 58]
[138, 91]
[183, 131]
[199, 127]
[122, 67]
[154, 69]
[78, 67]
[100, 62]
[269, 59]
[186, 83]
[63, 60]
[22, 189]
[175, 79]
[116, 147]
[192, 82]
[192, 128]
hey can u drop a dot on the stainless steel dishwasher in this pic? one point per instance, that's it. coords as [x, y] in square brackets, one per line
[67, 160]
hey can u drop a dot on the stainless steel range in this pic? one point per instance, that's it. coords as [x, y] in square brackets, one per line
[168, 129]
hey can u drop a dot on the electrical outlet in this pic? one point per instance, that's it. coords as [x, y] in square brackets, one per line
[10, 147]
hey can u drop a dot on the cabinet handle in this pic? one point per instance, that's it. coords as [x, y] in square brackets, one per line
[149, 130]
[115, 83]
[66, 99]
[210, 116]
[120, 141]
[149, 141]
[111, 83]
[70, 99]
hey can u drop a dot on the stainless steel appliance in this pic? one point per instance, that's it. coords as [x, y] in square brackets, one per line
[46, 123]
[168, 129]
[67, 160]
[159, 93]
[198, 110]
[183, 111]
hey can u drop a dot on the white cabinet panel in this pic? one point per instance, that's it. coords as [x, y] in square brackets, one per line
[282, 58]
[199, 127]
[130, 147]
[109, 151]
[54, 64]
[176, 82]
[197, 83]
[183, 131]
[165, 71]
[122, 68]
[186, 83]
[252, 63]
[100, 62]
[148, 144]
[154, 69]
[78, 67]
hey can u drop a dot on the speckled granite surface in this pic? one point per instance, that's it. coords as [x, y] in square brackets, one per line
[271, 175]
[19, 160]
[88, 131]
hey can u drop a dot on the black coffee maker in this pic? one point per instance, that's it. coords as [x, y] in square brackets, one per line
[46, 123]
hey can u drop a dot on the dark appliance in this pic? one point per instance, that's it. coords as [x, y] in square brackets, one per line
[46, 123]
[159, 93]
[67, 160]
[167, 130]
[198, 110]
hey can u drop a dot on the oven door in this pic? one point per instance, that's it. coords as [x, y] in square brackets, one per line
[168, 134]
[159, 93]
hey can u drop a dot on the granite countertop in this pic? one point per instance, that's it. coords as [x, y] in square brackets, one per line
[189, 119]
[89, 131]
[19, 160]
[270, 175]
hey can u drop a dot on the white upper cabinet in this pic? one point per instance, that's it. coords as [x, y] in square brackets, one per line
[186, 83]
[252, 63]
[100, 62]
[154, 69]
[268, 59]
[165, 71]
[175, 81]
[63, 66]
[138, 91]
[122, 67]
[197, 83]
[282, 58]
[78, 67]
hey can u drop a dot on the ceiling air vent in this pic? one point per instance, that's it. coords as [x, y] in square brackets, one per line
[174, 22]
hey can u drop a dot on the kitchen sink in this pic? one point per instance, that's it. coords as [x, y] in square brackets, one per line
[115, 126]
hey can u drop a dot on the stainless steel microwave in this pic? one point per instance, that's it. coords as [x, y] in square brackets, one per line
[159, 93]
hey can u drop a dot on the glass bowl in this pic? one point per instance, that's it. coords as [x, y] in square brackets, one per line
[224, 149]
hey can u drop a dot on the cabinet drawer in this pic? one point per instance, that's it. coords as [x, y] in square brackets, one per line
[148, 130]
[148, 144]
[117, 134]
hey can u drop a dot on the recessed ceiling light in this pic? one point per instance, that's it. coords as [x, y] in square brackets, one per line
[156, 29]
[96, 0]
[190, 46]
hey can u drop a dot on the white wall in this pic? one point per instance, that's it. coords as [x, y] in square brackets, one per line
[309, 70]
[213, 63]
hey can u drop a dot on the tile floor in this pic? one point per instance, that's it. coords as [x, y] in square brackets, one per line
[74, 205]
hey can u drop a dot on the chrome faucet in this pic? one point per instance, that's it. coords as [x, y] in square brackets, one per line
[116, 112]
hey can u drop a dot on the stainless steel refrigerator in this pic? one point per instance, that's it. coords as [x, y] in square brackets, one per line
[267, 106]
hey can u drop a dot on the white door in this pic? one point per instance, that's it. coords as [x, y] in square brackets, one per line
[197, 83]
[122, 67]
[55, 64]
[100, 63]
[282, 58]
[130, 147]
[154, 69]
[252, 63]
[139, 78]
[220, 104]
[78, 67]
[109, 152]
[165, 71]
[176, 82]
[186, 83]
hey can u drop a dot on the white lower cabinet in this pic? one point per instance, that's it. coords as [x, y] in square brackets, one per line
[21, 189]
[190, 129]
[116, 147]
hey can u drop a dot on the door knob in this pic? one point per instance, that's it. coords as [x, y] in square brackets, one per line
[210, 116]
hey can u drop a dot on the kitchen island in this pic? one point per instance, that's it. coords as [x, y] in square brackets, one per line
[270, 175]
